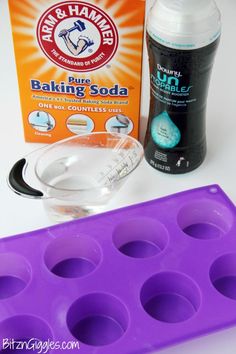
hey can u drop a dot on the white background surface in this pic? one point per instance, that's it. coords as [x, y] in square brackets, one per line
[19, 215]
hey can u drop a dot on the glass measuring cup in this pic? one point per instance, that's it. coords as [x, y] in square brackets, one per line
[78, 176]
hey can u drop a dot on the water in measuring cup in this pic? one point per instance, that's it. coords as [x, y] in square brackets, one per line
[73, 205]
[76, 187]
[78, 196]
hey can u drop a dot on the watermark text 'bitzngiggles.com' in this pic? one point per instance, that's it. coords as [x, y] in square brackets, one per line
[40, 347]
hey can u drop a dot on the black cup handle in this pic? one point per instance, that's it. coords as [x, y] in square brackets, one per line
[17, 183]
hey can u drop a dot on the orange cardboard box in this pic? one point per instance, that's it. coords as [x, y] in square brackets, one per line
[79, 66]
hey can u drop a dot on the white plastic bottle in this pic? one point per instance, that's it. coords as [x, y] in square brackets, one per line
[182, 39]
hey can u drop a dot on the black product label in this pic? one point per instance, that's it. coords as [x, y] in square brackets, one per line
[179, 86]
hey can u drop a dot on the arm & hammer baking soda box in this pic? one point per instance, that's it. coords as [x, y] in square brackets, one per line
[79, 66]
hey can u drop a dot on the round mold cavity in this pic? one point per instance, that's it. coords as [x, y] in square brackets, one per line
[72, 257]
[98, 319]
[28, 330]
[205, 219]
[223, 275]
[15, 274]
[140, 237]
[170, 297]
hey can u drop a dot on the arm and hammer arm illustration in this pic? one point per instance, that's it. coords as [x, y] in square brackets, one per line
[83, 42]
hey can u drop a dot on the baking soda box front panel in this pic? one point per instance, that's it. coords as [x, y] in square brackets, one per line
[79, 66]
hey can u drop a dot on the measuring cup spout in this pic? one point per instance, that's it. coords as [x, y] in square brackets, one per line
[17, 183]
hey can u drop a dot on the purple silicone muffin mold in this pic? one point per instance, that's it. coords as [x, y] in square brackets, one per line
[130, 281]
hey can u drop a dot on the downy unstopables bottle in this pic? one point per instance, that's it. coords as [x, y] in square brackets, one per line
[182, 39]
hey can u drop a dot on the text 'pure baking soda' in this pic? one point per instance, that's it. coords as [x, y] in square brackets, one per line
[182, 38]
[79, 66]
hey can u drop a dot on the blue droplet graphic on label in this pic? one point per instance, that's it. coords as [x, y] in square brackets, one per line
[164, 131]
